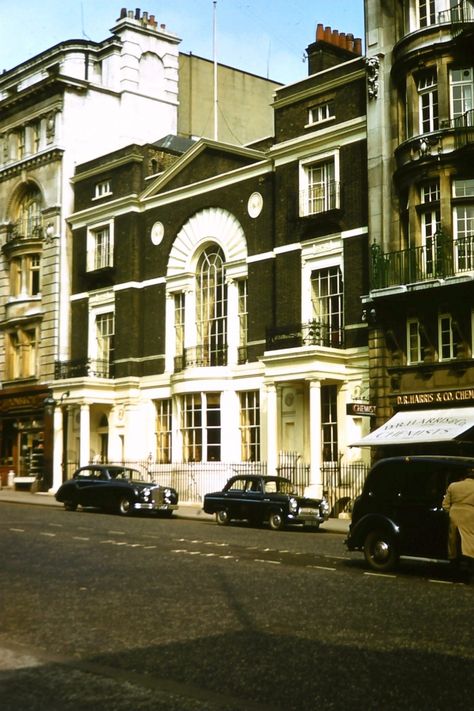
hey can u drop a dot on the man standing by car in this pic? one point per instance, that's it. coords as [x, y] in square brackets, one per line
[459, 502]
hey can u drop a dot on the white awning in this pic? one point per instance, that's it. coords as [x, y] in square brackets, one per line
[421, 426]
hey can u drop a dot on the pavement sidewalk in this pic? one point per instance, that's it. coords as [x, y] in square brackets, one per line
[185, 510]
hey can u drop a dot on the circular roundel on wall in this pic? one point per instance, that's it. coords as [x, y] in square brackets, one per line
[157, 232]
[255, 204]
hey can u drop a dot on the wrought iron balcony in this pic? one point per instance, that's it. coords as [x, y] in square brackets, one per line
[200, 357]
[439, 258]
[83, 368]
[458, 16]
[31, 229]
[298, 335]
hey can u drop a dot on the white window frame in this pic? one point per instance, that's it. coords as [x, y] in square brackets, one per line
[164, 430]
[427, 86]
[322, 113]
[310, 202]
[102, 189]
[22, 351]
[446, 341]
[461, 91]
[413, 336]
[100, 304]
[96, 260]
[463, 224]
[426, 9]
[250, 433]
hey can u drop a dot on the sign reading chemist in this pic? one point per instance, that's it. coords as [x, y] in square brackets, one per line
[453, 397]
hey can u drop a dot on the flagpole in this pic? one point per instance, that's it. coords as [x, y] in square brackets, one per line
[215, 68]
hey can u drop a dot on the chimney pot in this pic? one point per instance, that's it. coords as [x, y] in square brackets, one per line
[319, 32]
[163, 26]
[335, 37]
[327, 34]
[358, 45]
[342, 39]
[137, 13]
[123, 13]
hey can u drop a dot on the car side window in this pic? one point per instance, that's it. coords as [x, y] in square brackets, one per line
[270, 487]
[238, 485]
[254, 486]
[86, 474]
[384, 481]
[421, 482]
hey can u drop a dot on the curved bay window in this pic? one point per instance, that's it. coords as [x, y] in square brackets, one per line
[211, 307]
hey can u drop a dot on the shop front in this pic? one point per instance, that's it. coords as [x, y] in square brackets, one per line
[25, 438]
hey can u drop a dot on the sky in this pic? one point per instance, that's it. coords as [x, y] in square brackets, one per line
[264, 37]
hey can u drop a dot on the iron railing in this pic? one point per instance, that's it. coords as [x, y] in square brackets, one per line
[83, 368]
[439, 258]
[192, 480]
[311, 333]
[200, 357]
[24, 230]
[458, 16]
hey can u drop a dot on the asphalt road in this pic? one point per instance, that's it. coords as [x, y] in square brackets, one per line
[143, 614]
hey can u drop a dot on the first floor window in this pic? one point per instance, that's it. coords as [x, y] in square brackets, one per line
[463, 223]
[211, 307]
[428, 102]
[163, 431]
[462, 94]
[446, 337]
[25, 275]
[413, 341]
[100, 248]
[105, 330]
[321, 192]
[426, 12]
[250, 426]
[329, 423]
[21, 353]
[327, 301]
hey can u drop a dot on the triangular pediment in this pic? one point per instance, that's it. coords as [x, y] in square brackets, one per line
[205, 160]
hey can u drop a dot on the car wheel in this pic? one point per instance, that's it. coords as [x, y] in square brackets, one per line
[380, 551]
[276, 520]
[124, 506]
[222, 517]
[70, 505]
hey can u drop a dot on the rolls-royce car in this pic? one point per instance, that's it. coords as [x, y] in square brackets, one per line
[116, 488]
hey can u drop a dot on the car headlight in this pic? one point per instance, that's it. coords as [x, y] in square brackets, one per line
[146, 493]
[293, 505]
[324, 506]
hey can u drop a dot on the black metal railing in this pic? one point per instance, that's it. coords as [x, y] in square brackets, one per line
[310, 333]
[464, 125]
[458, 16]
[341, 484]
[439, 258]
[200, 357]
[83, 368]
[23, 230]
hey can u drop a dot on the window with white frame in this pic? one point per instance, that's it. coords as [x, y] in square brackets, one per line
[250, 425]
[322, 112]
[428, 102]
[211, 307]
[105, 332]
[430, 227]
[25, 275]
[201, 427]
[426, 13]
[414, 351]
[329, 436]
[446, 338]
[103, 188]
[243, 318]
[463, 223]
[179, 306]
[327, 297]
[320, 187]
[462, 95]
[29, 215]
[100, 247]
[163, 431]
[21, 351]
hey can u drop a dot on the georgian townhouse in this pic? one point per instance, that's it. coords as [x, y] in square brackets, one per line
[216, 294]
[72, 102]
[421, 185]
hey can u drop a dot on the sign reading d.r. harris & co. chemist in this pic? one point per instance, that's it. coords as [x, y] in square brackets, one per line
[461, 396]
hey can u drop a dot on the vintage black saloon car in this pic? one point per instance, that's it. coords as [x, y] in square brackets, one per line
[116, 489]
[262, 499]
[400, 513]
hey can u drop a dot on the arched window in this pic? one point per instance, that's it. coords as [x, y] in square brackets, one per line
[29, 215]
[211, 307]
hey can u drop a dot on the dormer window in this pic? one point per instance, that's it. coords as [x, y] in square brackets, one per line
[102, 189]
[322, 112]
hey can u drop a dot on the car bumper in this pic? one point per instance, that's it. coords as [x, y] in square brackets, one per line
[153, 506]
[307, 518]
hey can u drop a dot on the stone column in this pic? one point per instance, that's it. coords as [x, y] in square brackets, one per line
[272, 429]
[57, 449]
[315, 445]
[84, 435]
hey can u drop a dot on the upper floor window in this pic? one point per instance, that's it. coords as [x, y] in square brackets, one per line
[322, 112]
[329, 434]
[25, 275]
[320, 187]
[100, 248]
[426, 12]
[21, 143]
[446, 337]
[463, 223]
[243, 317]
[105, 332]
[29, 215]
[414, 354]
[211, 306]
[327, 302]
[462, 94]
[428, 102]
[103, 188]
[430, 226]
[21, 348]
[179, 311]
